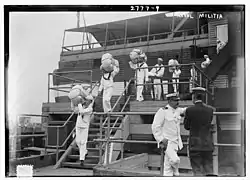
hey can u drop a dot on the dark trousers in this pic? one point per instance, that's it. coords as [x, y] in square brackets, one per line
[201, 162]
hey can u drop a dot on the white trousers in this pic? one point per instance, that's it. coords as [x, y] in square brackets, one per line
[139, 89]
[157, 89]
[171, 160]
[107, 94]
[176, 85]
[81, 141]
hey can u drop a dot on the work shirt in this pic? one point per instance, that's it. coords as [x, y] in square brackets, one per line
[84, 115]
[166, 125]
[107, 79]
[142, 74]
[158, 70]
[176, 73]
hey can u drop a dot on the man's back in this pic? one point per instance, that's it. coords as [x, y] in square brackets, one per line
[198, 120]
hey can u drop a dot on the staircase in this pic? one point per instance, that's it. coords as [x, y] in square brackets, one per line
[92, 158]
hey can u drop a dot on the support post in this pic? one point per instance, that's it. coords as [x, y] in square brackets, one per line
[57, 144]
[206, 86]
[198, 23]
[122, 144]
[100, 143]
[148, 28]
[173, 19]
[63, 40]
[83, 34]
[126, 29]
[106, 35]
[215, 153]
[48, 86]
[200, 79]
[108, 139]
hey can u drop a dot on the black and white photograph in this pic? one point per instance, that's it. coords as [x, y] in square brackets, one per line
[124, 90]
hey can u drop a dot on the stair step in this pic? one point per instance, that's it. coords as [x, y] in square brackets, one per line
[95, 129]
[77, 165]
[89, 149]
[87, 157]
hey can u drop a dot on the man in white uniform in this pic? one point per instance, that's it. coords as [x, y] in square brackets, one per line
[84, 111]
[176, 75]
[107, 85]
[141, 77]
[158, 72]
[166, 130]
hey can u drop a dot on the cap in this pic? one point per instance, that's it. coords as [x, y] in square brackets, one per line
[160, 59]
[198, 90]
[172, 96]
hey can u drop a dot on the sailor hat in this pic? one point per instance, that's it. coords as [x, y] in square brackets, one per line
[198, 90]
[172, 96]
[160, 59]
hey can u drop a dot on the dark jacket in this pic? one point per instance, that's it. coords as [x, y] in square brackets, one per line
[198, 120]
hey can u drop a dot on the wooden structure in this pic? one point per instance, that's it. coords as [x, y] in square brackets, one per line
[188, 38]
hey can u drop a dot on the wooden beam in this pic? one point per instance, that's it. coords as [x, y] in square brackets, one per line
[133, 160]
[178, 26]
[65, 154]
[145, 129]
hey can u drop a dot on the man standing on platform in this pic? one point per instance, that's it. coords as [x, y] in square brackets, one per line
[166, 130]
[198, 120]
[157, 72]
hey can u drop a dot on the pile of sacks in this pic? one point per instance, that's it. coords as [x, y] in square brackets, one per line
[108, 63]
[137, 56]
[172, 64]
[79, 95]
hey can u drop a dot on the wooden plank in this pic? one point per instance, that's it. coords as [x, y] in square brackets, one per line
[65, 154]
[154, 161]
[136, 106]
[146, 129]
[137, 159]
[117, 146]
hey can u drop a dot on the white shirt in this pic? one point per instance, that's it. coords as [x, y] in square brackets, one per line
[107, 79]
[158, 70]
[141, 73]
[176, 73]
[166, 125]
[84, 115]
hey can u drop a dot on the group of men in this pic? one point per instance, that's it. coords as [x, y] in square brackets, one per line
[197, 119]
[166, 124]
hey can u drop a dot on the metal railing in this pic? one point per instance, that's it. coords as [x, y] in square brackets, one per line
[195, 82]
[107, 140]
[128, 40]
[62, 126]
[107, 120]
[72, 81]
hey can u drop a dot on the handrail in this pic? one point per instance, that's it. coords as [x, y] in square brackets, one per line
[66, 72]
[118, 100]
[202, 72]
[152, 113]
[129, 38]
[125, 104]
[154, 142]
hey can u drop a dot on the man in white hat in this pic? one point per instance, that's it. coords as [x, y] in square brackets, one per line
[198, 120]
[166, 130]
[84, 111]
[157, 72]
[107, 84]
[141, 74]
